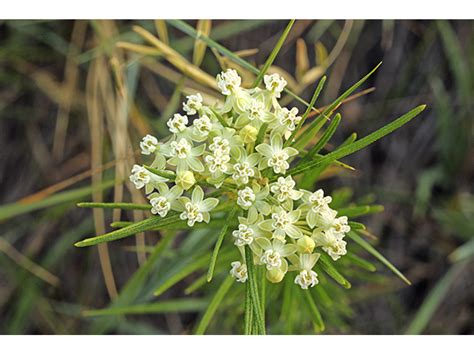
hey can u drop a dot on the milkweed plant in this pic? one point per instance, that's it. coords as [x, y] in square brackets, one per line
[245, 157]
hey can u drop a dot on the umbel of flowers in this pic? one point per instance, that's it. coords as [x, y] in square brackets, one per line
[237, 147]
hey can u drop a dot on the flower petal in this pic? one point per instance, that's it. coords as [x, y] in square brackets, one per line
[208, 204]
[197, 195]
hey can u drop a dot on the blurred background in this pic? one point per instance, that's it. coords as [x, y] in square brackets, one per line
[77, 96]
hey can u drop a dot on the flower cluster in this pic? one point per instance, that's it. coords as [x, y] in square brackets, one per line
[239, 147]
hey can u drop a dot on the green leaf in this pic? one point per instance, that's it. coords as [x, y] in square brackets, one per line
[356, 225]
[315, 96]
[273, 54]
[434, 299]
[324, 138]
[173, 306]
[356, 238]
[327, 266]
[184, 27]
[215, 302]
[463, 252]
[220, 239]
[310, 131]
[356, 211]
[253, 287]
[121, 205]
[18, 208]
[359, 144]
[248, 312]
[356, 260]
[313, 309]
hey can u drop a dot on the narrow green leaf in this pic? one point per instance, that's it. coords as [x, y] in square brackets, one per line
[121, 205]
[165, 174]
[356, 260]
[302, 140]
[356, 238]
[356, 225]
[434, 299]
[315, 96]
[220, 239]
[313, 309]
[273, 54]
[327, 266]
[324, 138]
[215, 302]
[359, 144]
[248, 312]
[356, 211]
[15, 209]
[261, 133]
[463, 252]
[173, 306]
[253, 287]
[197, 284]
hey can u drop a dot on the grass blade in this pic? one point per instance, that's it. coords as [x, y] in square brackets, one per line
[112, 205]
[273, 54]
[356, 238]
[215, 302]
[253, 289]
[324, 138]
[174, 306]
[327, 266]
[220, 239]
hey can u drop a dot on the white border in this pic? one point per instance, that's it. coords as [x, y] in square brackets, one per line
[237, 9]
[237, 345]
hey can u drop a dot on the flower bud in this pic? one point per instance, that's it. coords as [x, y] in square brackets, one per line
[185, 179]
[248, 134]
[275, 275]
[305, 245]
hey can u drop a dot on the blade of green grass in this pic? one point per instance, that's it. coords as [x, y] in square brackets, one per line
[253, 288]
[356, 238]
[328, 133]
[271, 58]
[173, 306]
[313, 309]
[327, 266]
[112, 205]
[215, 302]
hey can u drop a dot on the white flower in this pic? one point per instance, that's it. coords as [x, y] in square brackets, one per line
[282, 223]
[218, 162]
[324, 219]
[318, 201]
[148, 144]
[306, 278]
[283, 189]
[228, 81]
[202, 126]
[177, 123]
[255, 109]
[196, 209]
[246, 197]
[275, 84]
[274, 155]
[161, 202]
[244, 235]
[289, 118]
[221, 144]
[193, 104]
[340, 225]
[242, 172]
[184, 155]
[331, 242]
[274, 253]
[142, 177]
[239, 271]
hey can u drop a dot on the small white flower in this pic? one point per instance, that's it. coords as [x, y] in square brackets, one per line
[318, 201]
[284, 190]
[228, 81]
[218, 162]
[197, 208]
[242, 172]
[289, 118]
[306, 278]
[161, 202]
[274, 155]
[272, 259]
[282, 224]
[244, 235]
[239, 271]
[202, 126]
[148, 144]
[275, 84]
[177, 123]
[331, 242]
[140, 176]
[255, 109]
[221, 144]
[193, 104]
[340, 225]
[181, 148]
[245, 197]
